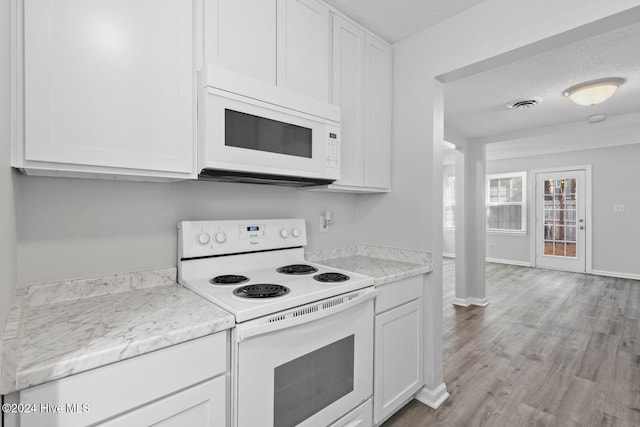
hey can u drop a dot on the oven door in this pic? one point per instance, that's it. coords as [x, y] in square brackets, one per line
[315, 366]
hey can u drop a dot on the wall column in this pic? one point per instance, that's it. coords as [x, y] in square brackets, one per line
[470, 225]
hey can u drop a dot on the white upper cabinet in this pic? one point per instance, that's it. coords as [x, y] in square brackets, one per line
[377, 147]
[348, 93]
[108, 88]
[241, 36]
[284, 42]
[361, 80]
[303, 47]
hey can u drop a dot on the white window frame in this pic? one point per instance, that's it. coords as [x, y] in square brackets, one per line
[449, 194]
[523, 203]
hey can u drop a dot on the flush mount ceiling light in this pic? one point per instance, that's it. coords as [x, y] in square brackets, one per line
[593, 92]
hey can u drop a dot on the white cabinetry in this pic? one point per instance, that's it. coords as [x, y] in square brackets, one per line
[284, 42]
[303, 47]
[398, 369]
[241, 36]
[182, 385]
[362, 88]
[200, 405]
[348, 93]
[377, 135]
[108, 88]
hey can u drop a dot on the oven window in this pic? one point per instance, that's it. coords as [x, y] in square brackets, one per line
[310, 383]
[257, 133]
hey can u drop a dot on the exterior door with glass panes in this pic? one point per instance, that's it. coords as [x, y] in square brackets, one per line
[560, 220]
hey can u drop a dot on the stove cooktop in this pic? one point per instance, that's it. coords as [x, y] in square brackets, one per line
[303, 288]
[256, 268]
[297, 269]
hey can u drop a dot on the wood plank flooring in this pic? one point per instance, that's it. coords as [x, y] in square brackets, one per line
[551, 349]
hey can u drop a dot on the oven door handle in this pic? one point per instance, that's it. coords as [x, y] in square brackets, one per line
[304, 314]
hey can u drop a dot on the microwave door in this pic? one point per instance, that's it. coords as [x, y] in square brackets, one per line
[249, 137]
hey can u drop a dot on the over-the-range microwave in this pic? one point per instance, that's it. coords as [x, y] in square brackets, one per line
[252, 131]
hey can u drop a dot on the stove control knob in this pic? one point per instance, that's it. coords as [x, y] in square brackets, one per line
[220, 237]
[295, 232]
[284, 233]
[202, 238]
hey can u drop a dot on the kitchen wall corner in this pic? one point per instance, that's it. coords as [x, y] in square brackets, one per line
[7, 213]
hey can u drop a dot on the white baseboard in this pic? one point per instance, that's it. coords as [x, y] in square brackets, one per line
[432, 398]
[466, 302]
[510, 262]
[497, 260]
[616, 274]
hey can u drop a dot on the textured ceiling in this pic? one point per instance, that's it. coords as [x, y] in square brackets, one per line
[394, 20]
[475, 106]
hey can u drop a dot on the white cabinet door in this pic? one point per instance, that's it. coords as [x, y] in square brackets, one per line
[303, 47]
[201, 405]
[348, 93]
[377, 149]
[241, 36]
[361, 76]
[398, 358]
[118, 388]
[109, 83]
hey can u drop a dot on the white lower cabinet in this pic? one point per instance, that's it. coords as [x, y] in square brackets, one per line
[201, 405]
[182, 385]
[398, 368]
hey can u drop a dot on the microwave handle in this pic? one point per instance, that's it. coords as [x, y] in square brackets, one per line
[301, 315]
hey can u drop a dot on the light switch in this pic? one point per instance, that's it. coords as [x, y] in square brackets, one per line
[618, 208]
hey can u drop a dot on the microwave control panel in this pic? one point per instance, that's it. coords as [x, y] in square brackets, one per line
[332, 157]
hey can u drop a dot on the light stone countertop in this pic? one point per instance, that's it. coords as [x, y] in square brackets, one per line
[385, 265]
[58, 329]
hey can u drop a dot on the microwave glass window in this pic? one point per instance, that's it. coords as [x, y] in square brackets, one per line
[258, 133]
[308, 384]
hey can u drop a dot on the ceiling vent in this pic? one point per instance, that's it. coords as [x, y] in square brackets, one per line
[524, 104]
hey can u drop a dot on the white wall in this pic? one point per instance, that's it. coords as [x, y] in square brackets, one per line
[490, 33]
[479, 38]
[615, 178]
[70, 228]
[615, 181]
[7, 211]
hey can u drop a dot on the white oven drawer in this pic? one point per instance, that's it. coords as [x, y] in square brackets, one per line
[359, 417]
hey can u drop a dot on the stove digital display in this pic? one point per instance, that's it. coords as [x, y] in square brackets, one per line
[252, 231]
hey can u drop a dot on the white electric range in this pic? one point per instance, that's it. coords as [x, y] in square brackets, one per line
[302, 349]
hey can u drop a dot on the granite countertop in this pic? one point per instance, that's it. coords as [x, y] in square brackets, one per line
[384, 264]
[58, 329]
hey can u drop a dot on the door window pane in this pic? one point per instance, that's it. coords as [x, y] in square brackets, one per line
[560, 215]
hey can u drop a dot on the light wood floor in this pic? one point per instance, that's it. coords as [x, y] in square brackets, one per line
[551, 349]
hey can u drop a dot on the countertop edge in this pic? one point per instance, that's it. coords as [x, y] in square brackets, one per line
[27, 365]
[403, 263]
[379, 281]
[87, 362]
